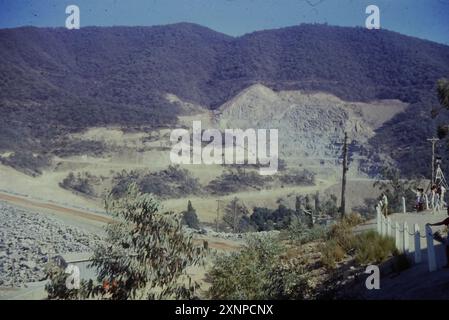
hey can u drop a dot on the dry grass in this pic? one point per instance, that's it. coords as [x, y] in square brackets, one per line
[365, 248]
[331, 254]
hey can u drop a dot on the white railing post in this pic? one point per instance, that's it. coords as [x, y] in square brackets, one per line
[427, 201]
[405, 239]
[404, 208]
[389, 227]
[383, 225]
[430, 250]
[417, 244]
[379, 220]
[397, 236]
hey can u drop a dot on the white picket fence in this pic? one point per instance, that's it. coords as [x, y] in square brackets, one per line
[403, 238]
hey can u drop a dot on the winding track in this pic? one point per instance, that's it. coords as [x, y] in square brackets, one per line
[95, 218]
[35, 204]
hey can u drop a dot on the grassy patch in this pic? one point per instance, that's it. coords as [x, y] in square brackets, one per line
[365, 248]
[331, 254]
[370, 247]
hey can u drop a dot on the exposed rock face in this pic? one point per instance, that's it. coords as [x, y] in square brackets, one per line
[26, 241]
[311, 125]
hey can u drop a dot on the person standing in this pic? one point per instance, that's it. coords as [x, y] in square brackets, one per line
[419, 199]
[433, 192]
[437, 202]
[385, 204]
[443, 191]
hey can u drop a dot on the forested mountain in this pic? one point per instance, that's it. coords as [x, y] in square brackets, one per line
[53, 81]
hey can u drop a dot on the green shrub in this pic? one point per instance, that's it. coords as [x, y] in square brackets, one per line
[27, 162]
[83, 182]
[145, 254]
[301, 178]
[341, 233]
[331, 254]
[299, 233]
[264, 219]
[190, 218]
[237, 179]
[391, 182]
[245, 274]
[263, 269]
[236, 217]
[370, 247]
[57, 289]
[288, 279]
[169, 183]
[353, 219]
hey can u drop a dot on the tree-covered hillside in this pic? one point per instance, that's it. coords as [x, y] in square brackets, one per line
[54, 81]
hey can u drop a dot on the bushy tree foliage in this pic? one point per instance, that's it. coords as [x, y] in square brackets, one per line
[237, 179]
[281, 218]
[82, 182]
[236, 216]
[443, 92]
[261, 217]
[119, 76]
[170, 182]
[443, 96]
[244, 274]
[262, 269]
[57, 288]
[300, 233]
[27, 162]
[330, 206]
[190, 218]
[145, 254]
[395, 187]
[301, 178]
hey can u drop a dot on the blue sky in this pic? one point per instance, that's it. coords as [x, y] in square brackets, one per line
[427, 19]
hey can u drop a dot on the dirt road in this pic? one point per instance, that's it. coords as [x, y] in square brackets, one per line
[89, 219]
[36, 205]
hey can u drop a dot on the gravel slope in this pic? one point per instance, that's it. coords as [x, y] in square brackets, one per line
[27, 239]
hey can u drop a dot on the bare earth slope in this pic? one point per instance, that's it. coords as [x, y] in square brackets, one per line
[311, 127]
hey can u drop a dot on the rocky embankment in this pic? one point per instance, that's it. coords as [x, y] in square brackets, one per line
[311, 125]
[27, 239]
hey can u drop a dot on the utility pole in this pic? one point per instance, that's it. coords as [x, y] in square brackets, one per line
[218, 215]
[343, 181]
[434, 141]
[235, 215]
